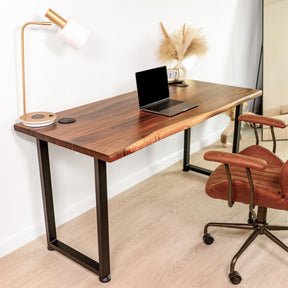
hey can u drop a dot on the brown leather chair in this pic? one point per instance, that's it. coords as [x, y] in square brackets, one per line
[255, 176]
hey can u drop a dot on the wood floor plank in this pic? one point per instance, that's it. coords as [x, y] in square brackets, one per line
[156, 241]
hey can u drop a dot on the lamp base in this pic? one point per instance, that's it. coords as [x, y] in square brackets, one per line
[38, 119]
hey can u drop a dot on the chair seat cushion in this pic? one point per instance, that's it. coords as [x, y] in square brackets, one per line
[267, 189]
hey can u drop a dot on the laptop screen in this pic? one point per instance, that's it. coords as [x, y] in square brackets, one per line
[152, 85]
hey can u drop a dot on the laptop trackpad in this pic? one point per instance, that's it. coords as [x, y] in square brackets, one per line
[178, 108]
[164, 105]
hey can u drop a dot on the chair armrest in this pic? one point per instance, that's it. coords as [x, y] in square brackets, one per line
[241, 161]
[264, 120]
[236, 159]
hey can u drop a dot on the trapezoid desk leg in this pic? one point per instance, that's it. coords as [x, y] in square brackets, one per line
[45, 177]
[186, 156]
[103, 267]
[237, 129]
[102, 220]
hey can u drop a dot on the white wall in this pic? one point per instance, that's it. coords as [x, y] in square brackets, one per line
[125, 35]
[275, 55]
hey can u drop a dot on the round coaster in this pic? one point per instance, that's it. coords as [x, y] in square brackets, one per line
[66, 120]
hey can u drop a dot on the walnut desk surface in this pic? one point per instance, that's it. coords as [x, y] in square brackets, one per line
[113, 128]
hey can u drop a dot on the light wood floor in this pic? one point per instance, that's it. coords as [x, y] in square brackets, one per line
[156, 241]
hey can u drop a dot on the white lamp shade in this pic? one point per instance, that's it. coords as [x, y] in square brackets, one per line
[74, 33]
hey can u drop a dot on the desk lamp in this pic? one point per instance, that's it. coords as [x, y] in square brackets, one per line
[72, 33]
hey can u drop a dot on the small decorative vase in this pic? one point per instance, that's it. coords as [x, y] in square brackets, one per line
[182, 72]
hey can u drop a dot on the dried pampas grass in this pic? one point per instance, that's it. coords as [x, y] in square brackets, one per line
[184, 43]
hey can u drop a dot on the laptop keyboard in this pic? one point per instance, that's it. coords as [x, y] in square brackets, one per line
[164, 105]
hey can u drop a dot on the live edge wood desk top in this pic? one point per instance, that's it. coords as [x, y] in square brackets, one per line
[113, 128]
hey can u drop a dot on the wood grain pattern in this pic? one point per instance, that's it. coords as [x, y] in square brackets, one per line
[113, 128]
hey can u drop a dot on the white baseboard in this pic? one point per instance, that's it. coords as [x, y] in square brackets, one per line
[131, 180]
[30, 233]
[21, 238]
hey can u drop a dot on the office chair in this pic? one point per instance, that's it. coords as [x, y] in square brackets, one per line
[255, 176]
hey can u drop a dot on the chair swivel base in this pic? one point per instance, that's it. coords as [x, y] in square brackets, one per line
[259, 226]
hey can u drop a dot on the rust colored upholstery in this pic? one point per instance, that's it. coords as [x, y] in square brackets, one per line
[255, 176]
[260, 152]
[267, 183]
[264, 120]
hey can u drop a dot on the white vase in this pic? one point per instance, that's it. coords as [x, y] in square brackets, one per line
[182, 70]
[182, 74]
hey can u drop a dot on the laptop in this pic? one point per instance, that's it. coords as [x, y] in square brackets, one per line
[153, 93]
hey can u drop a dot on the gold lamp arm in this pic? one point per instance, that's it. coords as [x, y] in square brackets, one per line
[72, 33]
[23, 59]
[56, 18]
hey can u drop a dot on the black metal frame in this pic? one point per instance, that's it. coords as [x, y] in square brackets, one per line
[103, 267]
[187, 138]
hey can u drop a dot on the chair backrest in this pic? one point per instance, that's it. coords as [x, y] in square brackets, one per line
[263, 120]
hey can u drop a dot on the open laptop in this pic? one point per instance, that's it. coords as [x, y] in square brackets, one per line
[153, 93]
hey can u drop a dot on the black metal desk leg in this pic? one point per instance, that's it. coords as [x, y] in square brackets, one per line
[44, 166]
[237, 129]
[102, 220]
[103, 267]
[186, 157]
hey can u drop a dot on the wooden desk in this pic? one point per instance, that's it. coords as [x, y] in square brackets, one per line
[110, 129]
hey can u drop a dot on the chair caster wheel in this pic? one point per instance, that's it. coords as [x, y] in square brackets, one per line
[208, 239]
[235, 277]
[250, 221]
